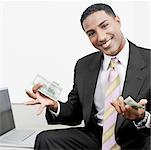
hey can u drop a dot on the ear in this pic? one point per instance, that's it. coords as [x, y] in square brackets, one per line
[117, 19]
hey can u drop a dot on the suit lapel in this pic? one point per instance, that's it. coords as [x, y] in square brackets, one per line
[134, 78]
[90, 84]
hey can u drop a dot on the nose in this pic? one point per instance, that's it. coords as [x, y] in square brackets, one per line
[101, 36]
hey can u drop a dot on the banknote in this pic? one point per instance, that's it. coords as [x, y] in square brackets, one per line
[50, 89]
[129, 101]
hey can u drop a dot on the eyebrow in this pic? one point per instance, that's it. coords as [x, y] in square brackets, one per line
[99, 25]
[103, 22]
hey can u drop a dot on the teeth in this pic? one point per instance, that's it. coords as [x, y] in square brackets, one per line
[106, 44]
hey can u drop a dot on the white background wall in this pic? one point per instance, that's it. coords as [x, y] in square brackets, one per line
[46, 37]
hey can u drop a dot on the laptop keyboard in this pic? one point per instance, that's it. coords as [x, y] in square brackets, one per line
[19, 135]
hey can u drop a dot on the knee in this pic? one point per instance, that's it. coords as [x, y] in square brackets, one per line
[40, 136]
[43, 136]
[47, 140]
[42, 140]
[47, 136]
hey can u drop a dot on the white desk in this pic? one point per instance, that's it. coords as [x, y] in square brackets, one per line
[25, 117]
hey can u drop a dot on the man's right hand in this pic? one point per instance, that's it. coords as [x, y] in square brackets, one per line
[38, 98]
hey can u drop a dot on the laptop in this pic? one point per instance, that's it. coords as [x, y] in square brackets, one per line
[9, 135]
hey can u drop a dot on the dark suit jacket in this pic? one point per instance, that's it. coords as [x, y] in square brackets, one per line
[80, 102]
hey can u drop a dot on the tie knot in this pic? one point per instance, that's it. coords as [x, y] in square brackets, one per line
[114, 62]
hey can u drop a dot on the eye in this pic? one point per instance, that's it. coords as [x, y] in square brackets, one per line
[104, 26]
[90, 34]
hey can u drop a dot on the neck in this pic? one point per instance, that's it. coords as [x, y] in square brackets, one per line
[122, 44]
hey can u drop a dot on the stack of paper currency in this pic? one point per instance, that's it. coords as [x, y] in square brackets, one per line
[129, 101]
[50, 89]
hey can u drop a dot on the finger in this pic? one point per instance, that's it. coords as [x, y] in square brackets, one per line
[39, 94]
[116, 106]
[40, 110]
[129, 109]
[121, 104]
[131, 113]
[143, 101]
[44, 100]
[32, 102]
[141, 113]
[121, 98]
[31, 94]
[36, 87]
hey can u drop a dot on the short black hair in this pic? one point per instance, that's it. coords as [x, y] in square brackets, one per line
[94, 8]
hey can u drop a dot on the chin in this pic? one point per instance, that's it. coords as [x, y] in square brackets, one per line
[111, 53]
[114, 53]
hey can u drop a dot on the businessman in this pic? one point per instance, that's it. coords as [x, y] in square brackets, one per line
[102, 81]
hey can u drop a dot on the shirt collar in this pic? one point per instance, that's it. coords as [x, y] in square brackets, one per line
[122, 56]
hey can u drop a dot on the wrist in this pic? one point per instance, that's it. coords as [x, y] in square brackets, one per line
[54, 106]
[141, 117]
[142, 123]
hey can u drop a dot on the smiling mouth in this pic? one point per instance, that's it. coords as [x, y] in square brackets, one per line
[106, 43]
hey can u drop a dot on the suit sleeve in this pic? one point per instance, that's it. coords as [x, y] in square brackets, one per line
[71, 111]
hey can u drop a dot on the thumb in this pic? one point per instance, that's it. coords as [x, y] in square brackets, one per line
[121, 98]
[143, 101]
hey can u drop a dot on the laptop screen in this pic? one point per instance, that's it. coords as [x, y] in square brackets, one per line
[6, 115]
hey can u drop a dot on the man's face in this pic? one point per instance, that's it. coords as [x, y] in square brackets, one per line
[104, 32]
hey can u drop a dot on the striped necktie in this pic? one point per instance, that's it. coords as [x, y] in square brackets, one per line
[112, 92]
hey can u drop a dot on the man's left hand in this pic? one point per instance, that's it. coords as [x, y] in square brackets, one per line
[127, 111]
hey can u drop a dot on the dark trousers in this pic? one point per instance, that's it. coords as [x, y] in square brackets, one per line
[67, 139]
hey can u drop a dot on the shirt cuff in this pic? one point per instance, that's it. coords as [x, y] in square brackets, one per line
[145, 122]
[58, 110]
[148, 123]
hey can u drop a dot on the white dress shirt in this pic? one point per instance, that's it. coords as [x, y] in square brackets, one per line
[99, 98]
